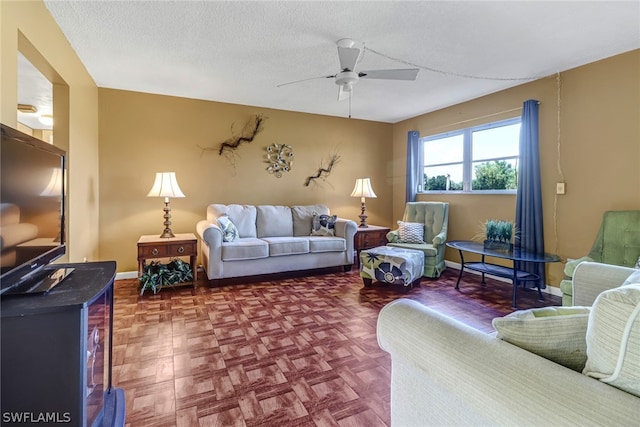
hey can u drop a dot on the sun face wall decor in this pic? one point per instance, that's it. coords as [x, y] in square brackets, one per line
[280, 159]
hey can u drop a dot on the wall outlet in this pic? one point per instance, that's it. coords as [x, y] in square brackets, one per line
[560, 188]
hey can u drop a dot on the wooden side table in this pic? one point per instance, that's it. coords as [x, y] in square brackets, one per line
[369, 237]
[155, 247]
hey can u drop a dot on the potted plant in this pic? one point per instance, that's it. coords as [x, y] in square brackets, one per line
[156, 275]
[499, 235]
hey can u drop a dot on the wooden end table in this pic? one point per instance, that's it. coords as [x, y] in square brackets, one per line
[369, 237]
[182, 245]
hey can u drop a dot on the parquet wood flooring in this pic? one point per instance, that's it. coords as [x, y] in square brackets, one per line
[292, 352]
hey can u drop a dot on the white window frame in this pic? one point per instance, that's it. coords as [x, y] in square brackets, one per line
[467, 160]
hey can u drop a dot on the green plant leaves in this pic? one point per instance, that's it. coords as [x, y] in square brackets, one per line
[156, 275]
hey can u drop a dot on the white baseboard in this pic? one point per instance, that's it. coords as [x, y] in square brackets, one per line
[551, 290]
[127, 275]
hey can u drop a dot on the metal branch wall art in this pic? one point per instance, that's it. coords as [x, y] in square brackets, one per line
[323, 171]
[253, 126]
[280, 159]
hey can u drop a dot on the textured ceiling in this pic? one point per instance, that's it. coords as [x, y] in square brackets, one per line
[239, 52]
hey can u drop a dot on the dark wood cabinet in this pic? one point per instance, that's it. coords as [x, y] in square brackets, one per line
[369, 237]
[56, 352]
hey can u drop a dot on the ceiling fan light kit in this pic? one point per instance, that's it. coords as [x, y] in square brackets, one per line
[347, 76]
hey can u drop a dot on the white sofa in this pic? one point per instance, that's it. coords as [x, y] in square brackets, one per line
[446, 373]
[272, 239]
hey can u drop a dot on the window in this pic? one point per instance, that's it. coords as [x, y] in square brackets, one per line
[476, 159]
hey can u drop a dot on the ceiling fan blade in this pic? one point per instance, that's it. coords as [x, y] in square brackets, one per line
[306, 80]
[344, 92]
[398, 74]
[348, 57]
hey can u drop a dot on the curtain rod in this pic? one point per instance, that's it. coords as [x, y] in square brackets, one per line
[479, 118]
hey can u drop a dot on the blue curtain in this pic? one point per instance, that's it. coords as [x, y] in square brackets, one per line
[413, 151]
[529, 198]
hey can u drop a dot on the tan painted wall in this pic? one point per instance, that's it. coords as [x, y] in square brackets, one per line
[599, 153]
[75, 110]
[141, 134]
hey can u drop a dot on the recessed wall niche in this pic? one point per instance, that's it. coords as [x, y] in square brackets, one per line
[35, 101]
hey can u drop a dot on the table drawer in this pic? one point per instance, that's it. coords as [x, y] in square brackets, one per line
[181, 249]
[148, 251]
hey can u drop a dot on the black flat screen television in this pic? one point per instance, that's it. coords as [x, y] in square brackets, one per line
[32, 209]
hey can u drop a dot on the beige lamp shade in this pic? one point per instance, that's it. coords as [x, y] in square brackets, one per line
[363, 188]
[165, 185]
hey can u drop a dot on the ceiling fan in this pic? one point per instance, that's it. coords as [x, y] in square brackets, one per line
[347, 77]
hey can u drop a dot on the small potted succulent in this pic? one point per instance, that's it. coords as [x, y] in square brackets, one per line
[499, 235]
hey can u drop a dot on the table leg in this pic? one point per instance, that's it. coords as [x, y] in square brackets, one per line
[194, 266]
[540, 297]
[483, 282]
[514, 304]
[461, 269]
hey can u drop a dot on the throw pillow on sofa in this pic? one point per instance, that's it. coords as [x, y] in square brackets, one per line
[324, 225]
[555, 333]
[613, 338]
[230, 232]
[410, 232]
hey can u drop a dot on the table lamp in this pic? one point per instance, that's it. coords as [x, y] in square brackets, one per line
[363, 189]
[166, 186]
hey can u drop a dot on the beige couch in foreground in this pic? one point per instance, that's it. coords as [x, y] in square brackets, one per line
[445, 373]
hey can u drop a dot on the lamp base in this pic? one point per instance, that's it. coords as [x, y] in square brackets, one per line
[167, 234]
[363, 216]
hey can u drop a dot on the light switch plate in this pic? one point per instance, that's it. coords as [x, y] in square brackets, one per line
[560, 188]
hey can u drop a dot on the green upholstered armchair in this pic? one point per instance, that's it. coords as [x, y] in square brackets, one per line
[435, 217]
[617, 243]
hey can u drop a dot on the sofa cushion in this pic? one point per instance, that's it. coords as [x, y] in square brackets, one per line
[303, 218]
[274, 221]
[327, 244]
[288, 245]
[229, 230]
[555, 333]
[245, 248]
[243, 217]
[613, 338]
[410, 232]
[324, 225]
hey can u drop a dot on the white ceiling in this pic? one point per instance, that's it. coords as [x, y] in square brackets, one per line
[239, 52]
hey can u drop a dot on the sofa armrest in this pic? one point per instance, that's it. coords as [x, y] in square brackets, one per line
[447, 373]
[440, 238]
[570, 266]
[393, 236]
[210, 233]
[211, 237]
[592, 278]
[347, 229]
